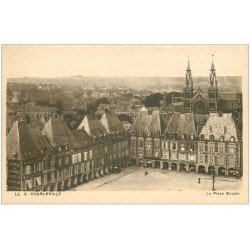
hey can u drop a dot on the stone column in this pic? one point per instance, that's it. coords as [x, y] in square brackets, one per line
[178, 167]
[153, 164]
[169, 166]
[161, 164]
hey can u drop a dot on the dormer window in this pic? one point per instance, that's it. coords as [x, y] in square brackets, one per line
[183, 136]
[141, 134]
[149, 134]
[174, 135]
[222, 138]
[158, 134]
[211, 137]
[232, 139]
[225, 129]
[202, 137]
[210, 129]
[192, 137]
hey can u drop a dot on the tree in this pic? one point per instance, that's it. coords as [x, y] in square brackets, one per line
[101, 100]
[153, 100]
[59, 104]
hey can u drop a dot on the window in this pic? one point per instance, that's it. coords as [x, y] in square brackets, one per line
[67, 160]
[221, 149]
[191, 137]
[36, 167]
[182, 147]
[156, 154]
[201, 148]
[173, 146]
[59, 161]
[211, 149]
[211, 137]
[148, 144]
[141, 152]
[231, 150]
[231, 161]
[28, 169]
[183, 157]
[85, 155]
[232, 139]
[211, 159]
[222, 138]
[133, 152]
[156, 144]
[182, 136]
[79, 157]
[141, 143]
[191, 147]
[202, 137]
[211, 129]
[90, 154]
[225, 129]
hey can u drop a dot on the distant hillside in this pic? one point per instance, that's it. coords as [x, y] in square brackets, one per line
[226, 83]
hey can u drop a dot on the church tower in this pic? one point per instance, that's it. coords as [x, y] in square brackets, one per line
[188, 91]
[213, 90]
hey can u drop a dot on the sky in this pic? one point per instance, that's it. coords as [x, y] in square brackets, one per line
[122, 60]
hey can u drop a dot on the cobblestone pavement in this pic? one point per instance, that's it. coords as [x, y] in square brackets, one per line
[134, 178]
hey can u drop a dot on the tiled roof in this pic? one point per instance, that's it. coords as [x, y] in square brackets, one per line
[229, 96]
[92, 126]
[57, 132]
[220, 125]
[81, 137]
[111, 123]
[25, 141]
[148, 122]
[181, 124]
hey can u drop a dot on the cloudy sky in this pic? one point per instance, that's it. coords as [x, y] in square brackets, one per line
[122, 60]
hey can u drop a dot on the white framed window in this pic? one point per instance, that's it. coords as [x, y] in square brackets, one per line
[90, 153]
[231, 150]
[79, 157]
[85, 154]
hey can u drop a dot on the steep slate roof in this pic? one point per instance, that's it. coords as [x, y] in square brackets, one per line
[145, 122]
[81, 137]
[110, 122]
[181, 123]
[57, 132]
[220, 125]
[25, 141]
[229, 96]
[92, 126]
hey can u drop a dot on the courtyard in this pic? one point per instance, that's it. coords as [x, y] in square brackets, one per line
[150, 179]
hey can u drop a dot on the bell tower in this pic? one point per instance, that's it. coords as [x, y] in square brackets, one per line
[213, 89]
[188, 90]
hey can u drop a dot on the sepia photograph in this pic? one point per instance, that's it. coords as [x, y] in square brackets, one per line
[125, 124]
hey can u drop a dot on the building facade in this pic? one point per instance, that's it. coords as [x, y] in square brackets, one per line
[58, 159]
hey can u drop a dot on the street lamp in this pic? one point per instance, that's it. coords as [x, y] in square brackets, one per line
[213, 175]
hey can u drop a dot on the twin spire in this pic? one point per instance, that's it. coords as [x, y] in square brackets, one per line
[189, 80]
[213, 80]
